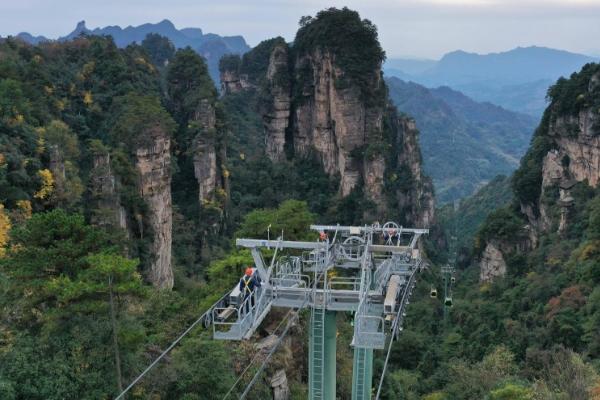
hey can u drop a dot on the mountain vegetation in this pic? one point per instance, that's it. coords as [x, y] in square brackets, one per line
[211, 46]
[524, 324]
[462, 219]
[465, 144]
[124, 180]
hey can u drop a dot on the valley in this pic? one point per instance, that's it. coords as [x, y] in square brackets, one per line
[177, 208]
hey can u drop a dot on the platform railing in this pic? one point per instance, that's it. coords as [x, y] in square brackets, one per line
[381, 275]
[239, 320]
[290, 280]
[343, 283]
[369, 332]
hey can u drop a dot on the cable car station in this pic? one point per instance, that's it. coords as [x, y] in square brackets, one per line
[367, 270]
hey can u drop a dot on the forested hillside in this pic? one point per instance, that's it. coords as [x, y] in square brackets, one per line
[465, 144]
[85, 177]
[211, 46]
[124, 179]
[525, 319]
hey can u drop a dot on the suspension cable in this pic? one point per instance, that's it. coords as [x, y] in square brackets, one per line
[266, 360]
[164, 353]
[394, 329]
[254, 358]
[279, 340]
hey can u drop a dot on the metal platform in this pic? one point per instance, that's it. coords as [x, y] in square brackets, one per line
[368, 270]
[375, 252]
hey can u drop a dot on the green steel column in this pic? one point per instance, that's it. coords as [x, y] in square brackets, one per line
[324, 378]
[330, 353]
[362, 374]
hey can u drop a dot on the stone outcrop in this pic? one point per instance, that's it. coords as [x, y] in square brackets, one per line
[279, 385]
[312, 107]
[492, 261]
[575, 157]
[492, 264]
[230, 81]
[108, 209]
[582, 149]
[277, 111]
[570, 130]
[418, 201]
[205, 153]
[334, 122]
[234, 82]
[153, 162]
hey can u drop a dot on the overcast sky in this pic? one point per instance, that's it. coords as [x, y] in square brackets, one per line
[415, 28]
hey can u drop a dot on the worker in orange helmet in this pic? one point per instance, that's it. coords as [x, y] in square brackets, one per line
[248, 284]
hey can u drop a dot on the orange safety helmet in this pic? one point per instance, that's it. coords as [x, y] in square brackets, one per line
[248, 271]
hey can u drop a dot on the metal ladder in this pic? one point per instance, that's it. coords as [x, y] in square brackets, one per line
[317, 343]
[360, 370]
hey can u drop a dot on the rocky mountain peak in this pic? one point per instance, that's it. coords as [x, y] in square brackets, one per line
[81, 27]
[317, 101]
[562, 163]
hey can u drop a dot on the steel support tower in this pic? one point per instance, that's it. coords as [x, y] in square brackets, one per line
[367, 270]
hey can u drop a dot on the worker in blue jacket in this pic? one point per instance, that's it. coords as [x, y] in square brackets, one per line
[248, 284]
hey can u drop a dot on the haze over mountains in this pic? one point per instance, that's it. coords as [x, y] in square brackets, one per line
[517, 79]
[211, 46]
[464, 143]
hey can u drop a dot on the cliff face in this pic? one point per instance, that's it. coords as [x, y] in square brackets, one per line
[108, 209]
[205, 154]
[492, 263]
[574, 157]
[316, 103]
[153, 163]
[230, 81]
[199, 141]
[582, 149]
[276, 112]
[334, 122]
[418, 198]
[565, 152]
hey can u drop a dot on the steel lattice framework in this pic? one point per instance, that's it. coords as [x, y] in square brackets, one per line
[368, 270]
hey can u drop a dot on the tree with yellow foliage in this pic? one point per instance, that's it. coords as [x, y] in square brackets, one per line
[87, 98]
[47, 184]
[4, 229]
[62, 147]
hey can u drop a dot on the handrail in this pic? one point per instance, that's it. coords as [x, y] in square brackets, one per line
[337, 281]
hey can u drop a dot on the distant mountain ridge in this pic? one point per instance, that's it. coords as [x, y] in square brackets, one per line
[516, 79]
[29, 38]
[464, 143]
[211, 46]
[519, 65]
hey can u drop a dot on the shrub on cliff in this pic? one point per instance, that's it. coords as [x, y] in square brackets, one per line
[353, 42]
[138, 118]
[569, 96]
[188, 83]
[502, 224]
[256, 62]
[159, 48]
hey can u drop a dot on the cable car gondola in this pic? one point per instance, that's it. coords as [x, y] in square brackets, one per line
[448, 302]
